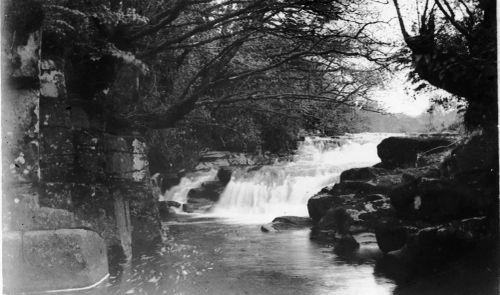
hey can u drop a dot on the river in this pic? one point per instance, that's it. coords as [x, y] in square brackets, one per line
[225, 252]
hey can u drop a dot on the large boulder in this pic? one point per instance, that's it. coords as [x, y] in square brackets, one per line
[319, 204]
[49, 260]
[403, 151]
[439, 200]
[44, 218]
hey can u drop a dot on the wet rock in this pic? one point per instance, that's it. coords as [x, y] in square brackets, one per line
[402, 151]
[293, 220]
[266, 228]
[374, 197]
[365, 173]
[391, 235]
[165, 209]
[403, 198]
[337, 219]
[173, 204]
[286, 222]
[224, 174]
[318, 204]
[198, 205]
[169, 180]
[341, 242]
[345, 243]
[210, 190]
[188, 208]
[53, 260]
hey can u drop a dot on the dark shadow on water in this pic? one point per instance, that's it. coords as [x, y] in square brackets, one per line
[475, 272]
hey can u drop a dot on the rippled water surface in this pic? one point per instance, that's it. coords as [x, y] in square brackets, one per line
[215, 256]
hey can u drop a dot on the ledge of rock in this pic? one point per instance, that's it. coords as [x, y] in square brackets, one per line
[286, 222]
[403, 151]
[53, 260]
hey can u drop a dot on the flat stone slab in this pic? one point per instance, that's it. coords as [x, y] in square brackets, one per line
[47, 260]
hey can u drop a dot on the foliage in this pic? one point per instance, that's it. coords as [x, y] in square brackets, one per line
[239, 75]
[455, 50]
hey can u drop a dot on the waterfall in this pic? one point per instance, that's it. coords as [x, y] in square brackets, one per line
[178, 193]
[284, 188]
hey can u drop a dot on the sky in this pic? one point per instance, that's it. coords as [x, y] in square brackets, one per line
[396, 99]
[393, 96]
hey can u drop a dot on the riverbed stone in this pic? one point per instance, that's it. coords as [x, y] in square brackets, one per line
[52, 260]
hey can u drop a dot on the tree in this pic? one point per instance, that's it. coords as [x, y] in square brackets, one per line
[455, 50]
[151, 63]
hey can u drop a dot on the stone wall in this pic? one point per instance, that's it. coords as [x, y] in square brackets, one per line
[56, 152]
[20, 126]
[87, 171]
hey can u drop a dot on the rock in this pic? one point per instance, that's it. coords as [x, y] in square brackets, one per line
[403, 199]
[224, 174]
[447, 240]
[53, 260]
[345, 243]
[439, 200]
[44, 218]
[188, 208]
[173, 204]
[168, 180]
[286, 222]
[390, 235]
[266, 228]
[357, 186]
[318, 204]
[198, 205]
[210, 190]
[480, 153]
[337, 219]
[402, 151]
[365, 173]
[165, 209]
[374, 197]
[294, 220]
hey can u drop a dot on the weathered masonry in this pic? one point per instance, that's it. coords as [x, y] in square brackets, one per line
[70, 189]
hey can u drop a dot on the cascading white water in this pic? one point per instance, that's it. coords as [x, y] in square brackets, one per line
[284, 188]
[178, 193]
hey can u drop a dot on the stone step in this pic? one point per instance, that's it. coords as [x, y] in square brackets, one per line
[50, 260]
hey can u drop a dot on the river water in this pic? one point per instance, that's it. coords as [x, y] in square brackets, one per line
[225, 252]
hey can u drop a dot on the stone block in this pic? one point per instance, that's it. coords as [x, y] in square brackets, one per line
[126, 158]
[53, 260]
[52, 81]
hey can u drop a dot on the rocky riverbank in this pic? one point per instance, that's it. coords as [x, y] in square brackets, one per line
[431, 198]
